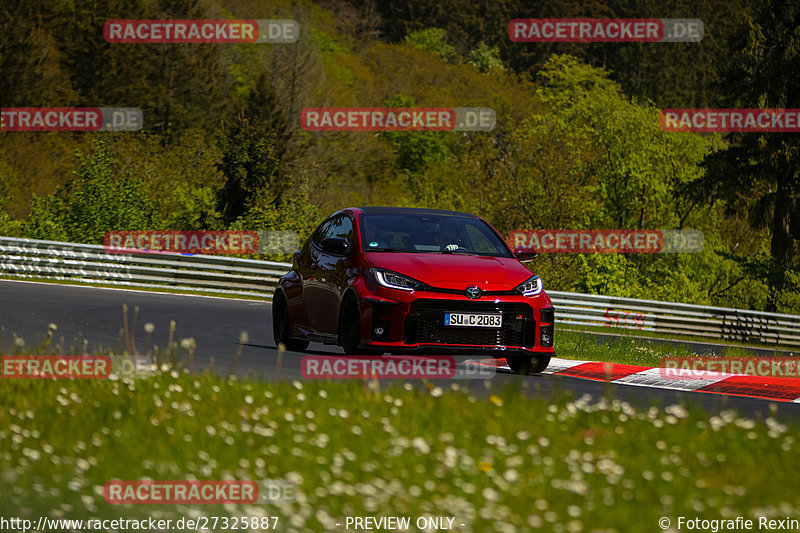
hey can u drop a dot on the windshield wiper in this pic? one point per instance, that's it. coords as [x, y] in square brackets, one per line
[459, 252]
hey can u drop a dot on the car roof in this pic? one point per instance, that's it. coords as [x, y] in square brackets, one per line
[412, 210]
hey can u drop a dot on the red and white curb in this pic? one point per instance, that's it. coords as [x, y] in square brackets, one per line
[764, 387]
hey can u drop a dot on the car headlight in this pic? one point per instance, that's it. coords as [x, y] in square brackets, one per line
[531, 287]
[393, 280]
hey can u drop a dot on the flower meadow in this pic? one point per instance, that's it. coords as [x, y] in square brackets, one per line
[505, 459]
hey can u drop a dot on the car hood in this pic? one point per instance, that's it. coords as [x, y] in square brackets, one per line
[455, 271]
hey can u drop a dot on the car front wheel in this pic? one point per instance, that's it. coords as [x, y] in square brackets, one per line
[526, 364]
[350, 326]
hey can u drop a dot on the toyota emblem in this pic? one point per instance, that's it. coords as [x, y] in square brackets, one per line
[473, 292]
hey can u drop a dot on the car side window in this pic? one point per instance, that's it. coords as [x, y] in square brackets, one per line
[322, 231]
[340, 226]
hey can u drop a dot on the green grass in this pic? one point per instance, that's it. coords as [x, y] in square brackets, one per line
[625, 350]
[496, 463]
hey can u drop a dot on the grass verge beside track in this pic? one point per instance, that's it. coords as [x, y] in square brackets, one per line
[625, 350]
[501, 463]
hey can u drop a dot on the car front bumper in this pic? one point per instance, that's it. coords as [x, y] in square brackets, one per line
[397, 320]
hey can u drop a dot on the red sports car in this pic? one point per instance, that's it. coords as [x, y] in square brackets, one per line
[389, 279]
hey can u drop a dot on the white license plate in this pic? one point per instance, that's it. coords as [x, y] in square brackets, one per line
[474, 320]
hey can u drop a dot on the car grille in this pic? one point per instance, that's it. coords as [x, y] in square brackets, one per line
[425, 324]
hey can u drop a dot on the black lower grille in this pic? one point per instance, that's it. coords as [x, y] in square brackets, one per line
[425, 324]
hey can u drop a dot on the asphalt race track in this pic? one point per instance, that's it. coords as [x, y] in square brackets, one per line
[95, 315]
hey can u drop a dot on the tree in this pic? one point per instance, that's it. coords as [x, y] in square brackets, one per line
[295, 71]
[8, 226]
[249, 165]
[432, 39]
[264, 106]
[161, 79]
[98, 199]
[415, 149]
[253, 145]
[670, 74]
[193, 208]
[598, 159]
[613, 146]
[485, 58]
[759, 175]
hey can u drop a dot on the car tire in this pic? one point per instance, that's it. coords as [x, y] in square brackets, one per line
[350, 326]
[526, 364]
[281, 325]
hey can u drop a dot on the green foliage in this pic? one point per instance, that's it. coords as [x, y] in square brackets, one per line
[600, 155]
[670, 74]
[608, 274]
[249, 165]
[292, 212]
[252, 146]
[758, 175]
[47, 219]
[790, 298]
[327, 43]
[161, 80]
[485, 58]
[415, 149]
[597, 159]
[264, 108]
[193, 208]
[98, 199]
[8, 226]
[433, 39]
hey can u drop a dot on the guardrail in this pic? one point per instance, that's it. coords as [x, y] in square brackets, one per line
[687, 320]
[26, 258]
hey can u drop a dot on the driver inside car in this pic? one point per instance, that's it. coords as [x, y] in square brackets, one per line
[447, 238]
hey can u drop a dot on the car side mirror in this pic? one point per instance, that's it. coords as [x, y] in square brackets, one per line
[526, 257]
[335, 245]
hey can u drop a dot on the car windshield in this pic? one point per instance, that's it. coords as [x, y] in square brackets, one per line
[425, 233]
